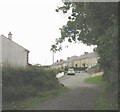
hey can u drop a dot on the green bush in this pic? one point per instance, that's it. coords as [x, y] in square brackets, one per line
[76, 68]
[21, 83]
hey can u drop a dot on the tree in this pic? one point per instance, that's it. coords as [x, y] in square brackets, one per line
[87, 23]
[94, 23]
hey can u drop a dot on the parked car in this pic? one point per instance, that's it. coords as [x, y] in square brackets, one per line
[71, 71]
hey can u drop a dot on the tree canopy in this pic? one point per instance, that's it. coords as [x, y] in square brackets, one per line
[87, 23]
[94, 23]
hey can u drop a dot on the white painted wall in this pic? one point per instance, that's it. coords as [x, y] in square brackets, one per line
[60, 75]
[12, 53]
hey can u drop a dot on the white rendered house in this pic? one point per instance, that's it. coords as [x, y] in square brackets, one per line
[12, 53]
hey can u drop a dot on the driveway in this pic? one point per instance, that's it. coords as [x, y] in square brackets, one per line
[80, 96]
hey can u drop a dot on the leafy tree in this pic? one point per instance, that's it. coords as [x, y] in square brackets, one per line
[87, 23]
[94, 23]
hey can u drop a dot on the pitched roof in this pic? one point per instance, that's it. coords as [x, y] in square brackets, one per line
[72, 58]
[58, 62]
[88, 55]
[2, 36]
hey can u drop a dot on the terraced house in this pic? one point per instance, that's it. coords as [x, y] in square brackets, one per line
[58, 64]
[11, 53]
[70, 61]
[87, 60]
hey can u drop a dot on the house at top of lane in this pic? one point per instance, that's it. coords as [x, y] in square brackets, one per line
[58, 64]
[87, 60]
[64, 63]
[70, 61]
[11, 53]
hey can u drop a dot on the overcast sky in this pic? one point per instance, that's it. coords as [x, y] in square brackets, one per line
[35, 26]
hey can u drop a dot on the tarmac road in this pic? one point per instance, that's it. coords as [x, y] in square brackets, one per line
[80, 96]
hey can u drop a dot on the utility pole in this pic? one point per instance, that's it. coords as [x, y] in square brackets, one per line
[53, 56]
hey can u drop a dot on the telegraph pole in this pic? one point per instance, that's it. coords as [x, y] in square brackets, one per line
[53, 56]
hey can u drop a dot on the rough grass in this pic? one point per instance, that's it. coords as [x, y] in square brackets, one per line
[20, 84]
[95, 79]
[33, 102]
[105, 101]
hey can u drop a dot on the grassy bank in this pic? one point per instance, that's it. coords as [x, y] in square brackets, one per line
[105, 101]
[33, 102]
[96, 80]
[24, 87]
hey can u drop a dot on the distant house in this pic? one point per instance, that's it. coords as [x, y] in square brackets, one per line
[70, 61]
[86, 60]
[58, 64]
[12, 53]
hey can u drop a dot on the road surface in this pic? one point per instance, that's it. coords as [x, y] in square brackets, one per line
[80, 96]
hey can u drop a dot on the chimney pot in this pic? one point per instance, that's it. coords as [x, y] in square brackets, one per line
[85, 52]
[10, 35]
[68, 57]
[61, 59]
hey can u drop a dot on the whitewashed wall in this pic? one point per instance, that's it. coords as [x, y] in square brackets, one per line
[12, 53]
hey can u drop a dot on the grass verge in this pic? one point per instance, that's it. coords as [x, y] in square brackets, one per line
[26, 87]
[33, 102]
[100, 102]
[104, 101]
[96, 80]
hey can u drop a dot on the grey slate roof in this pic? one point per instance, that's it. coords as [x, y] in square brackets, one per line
[58, 63]
[2, 36]
[89, 55]
[71, 59]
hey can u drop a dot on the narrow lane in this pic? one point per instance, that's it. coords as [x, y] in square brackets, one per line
[80, 96]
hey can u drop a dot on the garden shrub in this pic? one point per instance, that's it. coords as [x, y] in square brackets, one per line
[20, 83]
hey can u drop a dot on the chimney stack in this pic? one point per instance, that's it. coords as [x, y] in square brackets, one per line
[85, 52]
[10, 35]
[61, 59]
